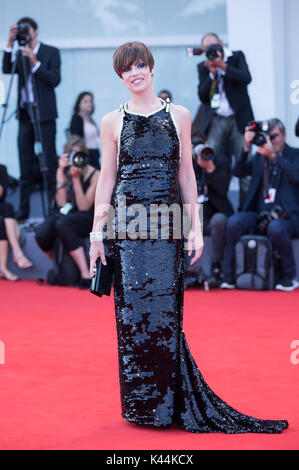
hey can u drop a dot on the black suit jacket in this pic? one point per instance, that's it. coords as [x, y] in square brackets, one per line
[235, 82]
[218, 184]
[288, 184]
[47, 77]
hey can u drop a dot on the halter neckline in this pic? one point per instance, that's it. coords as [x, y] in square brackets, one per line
[145, 115]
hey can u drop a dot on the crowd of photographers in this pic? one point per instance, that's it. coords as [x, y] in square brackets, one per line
[224, 135]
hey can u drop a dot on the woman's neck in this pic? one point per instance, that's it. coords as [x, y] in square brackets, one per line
[85, 115]
[144, 102]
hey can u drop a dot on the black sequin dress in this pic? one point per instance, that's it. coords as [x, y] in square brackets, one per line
[160, 383]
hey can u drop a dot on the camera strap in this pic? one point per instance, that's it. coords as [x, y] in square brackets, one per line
[269, 180]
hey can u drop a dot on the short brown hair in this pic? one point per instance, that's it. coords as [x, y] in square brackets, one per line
[127, 54]
[75, 140]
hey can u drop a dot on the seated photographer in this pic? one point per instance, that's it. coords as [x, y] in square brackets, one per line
[213, 175]
[9, 233]
[83, 125]
[274, 188]
[76, 185]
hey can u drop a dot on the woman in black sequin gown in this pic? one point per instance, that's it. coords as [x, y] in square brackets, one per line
[147, 160]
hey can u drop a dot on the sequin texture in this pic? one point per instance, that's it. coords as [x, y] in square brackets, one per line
[160, 383]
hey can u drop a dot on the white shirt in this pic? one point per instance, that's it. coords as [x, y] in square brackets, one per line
[90, 134]
[224, 108]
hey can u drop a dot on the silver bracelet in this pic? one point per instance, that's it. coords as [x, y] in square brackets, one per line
[96, 236]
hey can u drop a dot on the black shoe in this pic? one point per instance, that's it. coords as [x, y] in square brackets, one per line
[216, 272]
[22, 215]
[287, 284]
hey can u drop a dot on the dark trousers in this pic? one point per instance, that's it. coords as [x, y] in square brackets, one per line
[222, 132]
[26, 157]
[280, 232]
[71, 229]
[216, 227]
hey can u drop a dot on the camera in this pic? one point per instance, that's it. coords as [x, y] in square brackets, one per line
[261, 129]
[265, 217]
[211, 51]
[201, 150]
[78, 159]
[23, 36]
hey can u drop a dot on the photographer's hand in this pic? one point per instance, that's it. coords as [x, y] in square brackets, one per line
[210, 65]
[248, 136]
[218, 63]
[206, 165]
[13, 31]
[267, 149]
[75, 172]
[63, 161]
[28, 52]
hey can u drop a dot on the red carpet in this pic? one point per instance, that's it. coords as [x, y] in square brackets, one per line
[59, 384]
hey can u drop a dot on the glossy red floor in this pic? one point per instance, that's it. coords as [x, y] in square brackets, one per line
[59, 381]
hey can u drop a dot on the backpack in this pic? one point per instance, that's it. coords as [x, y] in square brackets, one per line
[254, 266]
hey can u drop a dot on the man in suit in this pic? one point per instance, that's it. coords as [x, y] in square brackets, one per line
[280, 163]
[42, 63]
[226, 108]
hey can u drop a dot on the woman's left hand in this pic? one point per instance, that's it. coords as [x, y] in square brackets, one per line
[195, 242]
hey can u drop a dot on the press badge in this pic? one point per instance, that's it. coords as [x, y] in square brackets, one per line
[271, 196]
[215, 100]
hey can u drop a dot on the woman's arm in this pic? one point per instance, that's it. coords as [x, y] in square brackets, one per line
[61, 181]
[106, 182]
[187, 182]
[84, 201]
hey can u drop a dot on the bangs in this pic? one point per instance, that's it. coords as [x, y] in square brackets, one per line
[130, 53]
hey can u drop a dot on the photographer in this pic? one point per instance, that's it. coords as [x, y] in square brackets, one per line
[76, 185]
[9, 233]
[43, 69]
[225, 108]
[213, 175]
[274, 188]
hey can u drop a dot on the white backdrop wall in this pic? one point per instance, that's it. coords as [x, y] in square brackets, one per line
[87, 33]
[267, 31]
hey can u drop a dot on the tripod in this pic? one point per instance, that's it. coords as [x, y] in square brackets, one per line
[32, 108]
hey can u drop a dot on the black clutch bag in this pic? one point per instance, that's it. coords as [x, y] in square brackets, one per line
[101, 283]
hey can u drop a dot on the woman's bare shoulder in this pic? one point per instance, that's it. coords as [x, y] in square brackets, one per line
[110, 124]
[111, 118]
[182, 116]
[181, 111]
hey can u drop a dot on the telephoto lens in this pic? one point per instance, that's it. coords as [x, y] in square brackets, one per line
[78, 159]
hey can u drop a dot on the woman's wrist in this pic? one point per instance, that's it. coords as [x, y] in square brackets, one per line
[96, 236]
